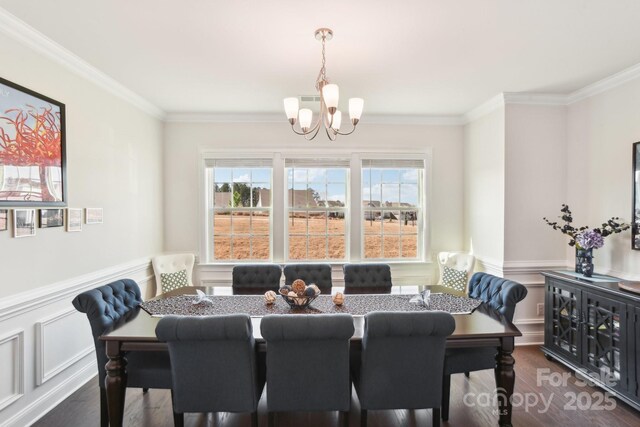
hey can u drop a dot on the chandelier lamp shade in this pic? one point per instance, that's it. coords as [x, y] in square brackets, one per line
[329, 118]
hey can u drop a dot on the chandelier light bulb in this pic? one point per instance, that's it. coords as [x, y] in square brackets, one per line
[291, 108]
[355, 108]
[331, 94]
[337, 120]
[305, 115]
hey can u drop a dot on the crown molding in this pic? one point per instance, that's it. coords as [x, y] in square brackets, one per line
[605, 84]
[201, 117]
[528, 98]
[20, 31]
[484, 109]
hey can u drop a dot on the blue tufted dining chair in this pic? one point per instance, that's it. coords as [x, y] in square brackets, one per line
[401, 362]
[228, 383]
[500, 297]
[255, 279]
[108, 307]
[308, 363]
[320, 274]
[367, 278]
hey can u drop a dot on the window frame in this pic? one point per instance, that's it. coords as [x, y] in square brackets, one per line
[210, 208]
[421, 219]
[354, 231]
[309, 162]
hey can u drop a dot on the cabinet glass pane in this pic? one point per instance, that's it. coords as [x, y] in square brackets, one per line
[603, 334]
[565, 322]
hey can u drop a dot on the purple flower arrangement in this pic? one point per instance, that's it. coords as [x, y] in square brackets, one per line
[584, 237]
[590, 239]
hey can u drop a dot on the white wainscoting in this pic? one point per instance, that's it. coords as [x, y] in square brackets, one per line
[50, 353]
[56, 348]
[11, 373]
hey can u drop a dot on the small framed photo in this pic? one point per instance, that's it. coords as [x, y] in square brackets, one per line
[93, 215]
[51, 218]
[24, 222]
[74, 219]
[4, 219]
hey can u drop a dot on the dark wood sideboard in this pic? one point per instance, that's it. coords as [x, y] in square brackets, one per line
[593, 327]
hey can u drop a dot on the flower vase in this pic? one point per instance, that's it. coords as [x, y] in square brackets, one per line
[587, 267]
[583, 255]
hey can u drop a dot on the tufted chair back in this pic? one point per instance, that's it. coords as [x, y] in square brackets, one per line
[308, 362]
[320, 274]
[402, 359]
[367, 278]
[231, 383]
[172, 263]
[107, 307]
[255, 279]
[500, 294]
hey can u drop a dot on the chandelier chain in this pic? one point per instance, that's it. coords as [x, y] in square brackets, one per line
[322, 75]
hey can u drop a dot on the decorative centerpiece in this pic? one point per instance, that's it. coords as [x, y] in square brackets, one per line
[586, 239]
[299, 295]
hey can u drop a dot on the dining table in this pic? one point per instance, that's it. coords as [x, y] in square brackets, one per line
[482, 327]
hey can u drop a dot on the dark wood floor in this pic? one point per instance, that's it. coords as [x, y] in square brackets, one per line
[154, 408]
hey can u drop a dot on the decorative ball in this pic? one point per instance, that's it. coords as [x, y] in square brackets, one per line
[338, 298]
[285, 289]
[270, 297]
[298, 286]
[310, 292]
[292, 295]
[315, 288]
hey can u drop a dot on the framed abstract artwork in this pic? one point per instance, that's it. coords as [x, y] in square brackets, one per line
[51, 218]
[24, 222]
[32, 148]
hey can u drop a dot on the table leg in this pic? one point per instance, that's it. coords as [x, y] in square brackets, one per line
[115, 383]
[505, 380]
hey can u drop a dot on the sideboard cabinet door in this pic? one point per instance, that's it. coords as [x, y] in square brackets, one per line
[562, 319]
[605, 339]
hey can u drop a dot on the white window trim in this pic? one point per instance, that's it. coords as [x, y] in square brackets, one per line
[278, 238]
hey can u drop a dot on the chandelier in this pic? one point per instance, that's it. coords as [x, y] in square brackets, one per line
[330, 117]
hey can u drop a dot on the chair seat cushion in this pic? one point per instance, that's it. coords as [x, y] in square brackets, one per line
[455, 279]
[457, 360]
[171, 281]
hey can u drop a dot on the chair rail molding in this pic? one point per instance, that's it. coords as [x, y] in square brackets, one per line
[15, 305]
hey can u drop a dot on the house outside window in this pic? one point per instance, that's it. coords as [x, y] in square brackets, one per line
[392, 200]
[239, 210]
[317, 206]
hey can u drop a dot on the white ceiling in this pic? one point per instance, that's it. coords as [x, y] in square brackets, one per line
[415, 57]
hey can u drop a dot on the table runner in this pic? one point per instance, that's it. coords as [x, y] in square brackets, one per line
[254, 305]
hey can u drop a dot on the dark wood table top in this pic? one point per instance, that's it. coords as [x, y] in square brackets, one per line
[483, 323]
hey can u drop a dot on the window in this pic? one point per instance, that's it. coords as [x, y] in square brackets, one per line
[239, 209]
[317, 209]
[342, 207]
[392, 208]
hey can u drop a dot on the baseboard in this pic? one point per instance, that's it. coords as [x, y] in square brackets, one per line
[52, 398]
